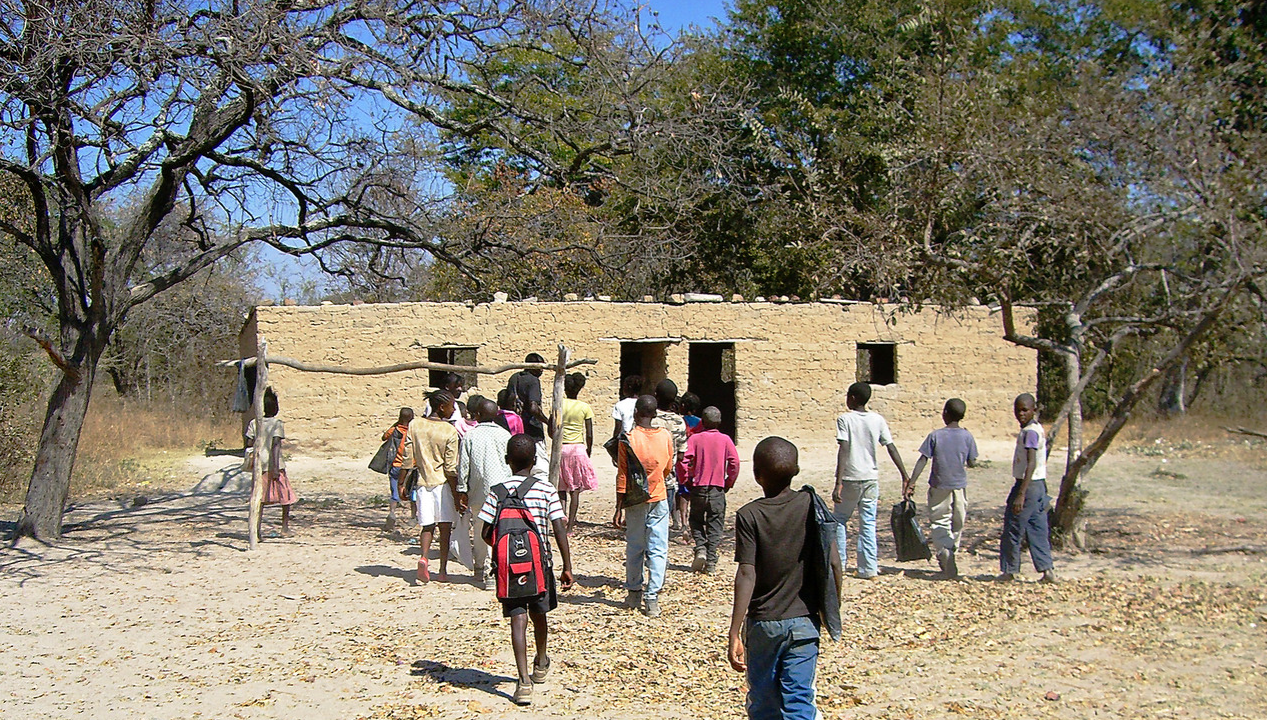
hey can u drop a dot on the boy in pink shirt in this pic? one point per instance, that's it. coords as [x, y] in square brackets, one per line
[712, 466]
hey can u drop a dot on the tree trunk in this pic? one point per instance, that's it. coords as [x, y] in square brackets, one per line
[41, 517]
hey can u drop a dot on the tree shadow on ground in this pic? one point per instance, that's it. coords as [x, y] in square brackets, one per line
[461, 677]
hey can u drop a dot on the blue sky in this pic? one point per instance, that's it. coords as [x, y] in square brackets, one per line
[673, 17]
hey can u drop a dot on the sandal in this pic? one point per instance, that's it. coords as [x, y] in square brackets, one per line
[523, 693]
[539, 672]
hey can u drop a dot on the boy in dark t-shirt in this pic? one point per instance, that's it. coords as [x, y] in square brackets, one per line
[779, 647]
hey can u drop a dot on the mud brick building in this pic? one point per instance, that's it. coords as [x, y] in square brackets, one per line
[772, 368]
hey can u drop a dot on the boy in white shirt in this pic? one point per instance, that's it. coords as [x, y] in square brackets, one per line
[858, 475]
[1027, 504]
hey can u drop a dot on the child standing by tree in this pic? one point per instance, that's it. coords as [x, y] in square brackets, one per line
[543, 502]
[1026, 510]
[858, 475]
[646, 524]
[952, 449]
[576, 470]
[774, 593]
[277, 489]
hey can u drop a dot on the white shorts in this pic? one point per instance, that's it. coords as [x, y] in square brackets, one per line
[436, 505]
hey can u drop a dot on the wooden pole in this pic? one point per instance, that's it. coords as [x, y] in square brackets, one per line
[257, 467]
[556, 416]
[385, 369]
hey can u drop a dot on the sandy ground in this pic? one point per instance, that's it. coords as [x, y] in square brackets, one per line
[158, 611]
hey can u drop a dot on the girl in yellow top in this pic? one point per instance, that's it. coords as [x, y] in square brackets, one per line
[576, 471]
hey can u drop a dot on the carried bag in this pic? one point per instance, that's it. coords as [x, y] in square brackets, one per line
[820, 545]
[519, 561]
[637, 488]
[907, 535]
[382, 460]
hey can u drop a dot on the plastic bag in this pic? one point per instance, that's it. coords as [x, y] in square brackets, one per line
[907, 535]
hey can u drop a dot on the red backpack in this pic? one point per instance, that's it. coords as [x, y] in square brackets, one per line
[519, 560]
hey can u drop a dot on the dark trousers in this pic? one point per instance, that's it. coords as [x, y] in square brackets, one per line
[708, 515]
[1032, 523]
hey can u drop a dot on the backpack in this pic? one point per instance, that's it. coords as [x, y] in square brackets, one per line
[820, 545]
[519, 560]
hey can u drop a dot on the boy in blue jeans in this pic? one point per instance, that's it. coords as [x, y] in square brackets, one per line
[858, 476]
[1027, 504]
[778, 645]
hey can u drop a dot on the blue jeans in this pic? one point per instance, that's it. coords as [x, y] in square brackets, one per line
[1033, 523]
[646, 543]
[782, 661]
[393, 477]
[864, 496]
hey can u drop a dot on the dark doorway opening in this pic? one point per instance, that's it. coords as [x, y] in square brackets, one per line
[711, 376]
[877, 363]
[645, 358]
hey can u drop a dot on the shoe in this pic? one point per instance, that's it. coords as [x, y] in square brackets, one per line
[710, 569]
[943, 560]
[523, 693]
[424, 574]
[481, 581]
[1005, 577]
[652, 609]
[634, 599]
[539, 672]
[1049, 577]
[952, 567]
[868, 577]
[701, 559]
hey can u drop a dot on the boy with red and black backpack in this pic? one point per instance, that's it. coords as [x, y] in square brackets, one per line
[515, 514]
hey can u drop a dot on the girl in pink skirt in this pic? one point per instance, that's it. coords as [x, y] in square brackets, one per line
[576, 472]
[277, 489]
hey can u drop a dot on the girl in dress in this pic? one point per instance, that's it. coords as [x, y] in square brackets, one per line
[277, 489]
[576, 471]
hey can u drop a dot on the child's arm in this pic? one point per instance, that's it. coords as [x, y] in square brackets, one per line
[908, 488]
[745, 580]
[565, 552]
[622, 477]
[589, 436]
[897, 460]
[837, 571]
[1031, 462]
[842, 455]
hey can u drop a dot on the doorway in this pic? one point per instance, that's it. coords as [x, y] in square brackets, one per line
[711, 376]
[647, 358]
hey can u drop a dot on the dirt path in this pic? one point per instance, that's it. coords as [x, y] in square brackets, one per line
[156, 611]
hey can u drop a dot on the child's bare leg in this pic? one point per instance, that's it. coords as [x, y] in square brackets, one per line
[540, 632]
[519, 641]
[574, 504]
[424, 540]
[285, 519]
[446, 530]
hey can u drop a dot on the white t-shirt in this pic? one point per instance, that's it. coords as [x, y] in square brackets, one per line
[1030, 437]
[624, 412]
[860, 431]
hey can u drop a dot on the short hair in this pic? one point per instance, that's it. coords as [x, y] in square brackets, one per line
[438, 399]
[506, 399]
[534, 358]
[860, 392]
[449, 378]
[631, 386]
[775, 460]
[521, 451]
[573, 383]
[711, 417]
[485, 408]
[406, 416]
[1026, 399]
[666, 393]
[646, 406]
[690, 403]
[955, 410]
[270, 402]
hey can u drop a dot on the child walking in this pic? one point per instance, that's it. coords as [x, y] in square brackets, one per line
[433, 450]
[712, 466]
[668, 418]
[952, 450]
[646, 524]
[396, 433]
[543, 502]
[778, 644]
[277, 489]
[1026, 510]
[858, 475]
[576, 470]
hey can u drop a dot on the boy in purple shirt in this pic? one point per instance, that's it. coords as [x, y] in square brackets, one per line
[952, 449]
[712, 466]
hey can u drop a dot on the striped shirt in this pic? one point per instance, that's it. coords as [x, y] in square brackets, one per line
[542, 501]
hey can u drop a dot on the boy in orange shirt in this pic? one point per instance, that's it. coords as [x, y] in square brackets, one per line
[647, 524]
